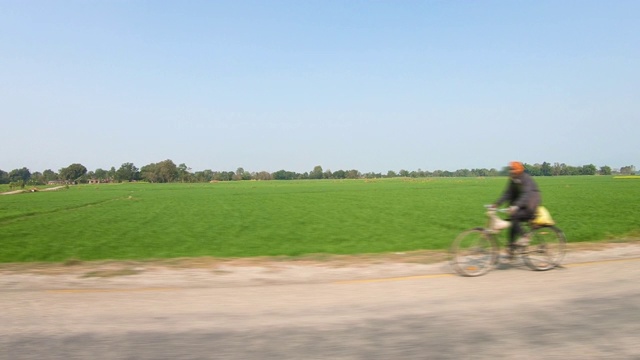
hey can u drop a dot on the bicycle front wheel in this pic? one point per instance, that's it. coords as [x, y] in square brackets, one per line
[473, 253]
[546, 248]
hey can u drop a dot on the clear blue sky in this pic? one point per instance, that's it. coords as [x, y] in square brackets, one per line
[351, 84]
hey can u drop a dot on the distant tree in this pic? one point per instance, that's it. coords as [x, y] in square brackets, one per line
[241, 174]
[184, 173]
[111, 175]
[574, 170]
[605, 170]
[73, 172]
[279, 175]
[545, 169]
[163, 172]
[372, 175]
[207, 175]
[238, 174]
[49, 175]
[18, 175]
[223, 175]
[533, 170]
[4, 177]
[203, 176]
[149, 173]
[101, 174]
[36, 179]
[340, 174]
[127, 172]
[588, 170]
[262, 175]
[480, 172]
[316, 173]
[283, 175]
[168, 171]
[228, 175]
[353, 174]
[462, 173]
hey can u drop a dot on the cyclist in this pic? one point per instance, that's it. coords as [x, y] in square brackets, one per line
[523, 196]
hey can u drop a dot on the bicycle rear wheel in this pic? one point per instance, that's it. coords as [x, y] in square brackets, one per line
[474, 252]
[546, 248]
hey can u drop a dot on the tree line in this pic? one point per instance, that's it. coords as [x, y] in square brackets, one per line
[167, 171]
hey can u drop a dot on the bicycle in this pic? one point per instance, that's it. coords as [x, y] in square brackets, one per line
[476, 251]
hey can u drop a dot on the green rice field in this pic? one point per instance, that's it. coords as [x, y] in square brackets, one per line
[290, 218]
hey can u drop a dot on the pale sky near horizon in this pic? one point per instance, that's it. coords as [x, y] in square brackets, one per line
[367, 85]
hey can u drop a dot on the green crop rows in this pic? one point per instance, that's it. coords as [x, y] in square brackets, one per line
[269, 218]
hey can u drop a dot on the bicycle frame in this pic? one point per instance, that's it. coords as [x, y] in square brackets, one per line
[495, 224]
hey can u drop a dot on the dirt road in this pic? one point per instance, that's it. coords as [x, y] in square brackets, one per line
[206, 272]
[588, 310]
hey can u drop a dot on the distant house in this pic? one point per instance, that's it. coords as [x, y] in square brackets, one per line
[56, 182]
[99, 181]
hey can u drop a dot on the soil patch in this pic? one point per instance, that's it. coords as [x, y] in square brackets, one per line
[114, 268]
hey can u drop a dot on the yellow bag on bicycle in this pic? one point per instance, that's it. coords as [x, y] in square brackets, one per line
[543, 217]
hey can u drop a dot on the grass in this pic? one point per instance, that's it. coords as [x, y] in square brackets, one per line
[290, 218]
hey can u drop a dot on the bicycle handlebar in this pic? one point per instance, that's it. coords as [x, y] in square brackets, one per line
[491, 207]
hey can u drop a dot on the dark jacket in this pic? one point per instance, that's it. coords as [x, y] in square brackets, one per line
[522, 192]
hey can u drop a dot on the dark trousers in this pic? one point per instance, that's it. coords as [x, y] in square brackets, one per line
[522, 215]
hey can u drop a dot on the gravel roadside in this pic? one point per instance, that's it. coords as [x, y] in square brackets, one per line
[211, 272]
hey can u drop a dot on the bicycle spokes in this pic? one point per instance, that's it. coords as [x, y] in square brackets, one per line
[546, 249]
[473, 253]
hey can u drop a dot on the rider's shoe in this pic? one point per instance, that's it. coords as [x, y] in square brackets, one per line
[523, 241]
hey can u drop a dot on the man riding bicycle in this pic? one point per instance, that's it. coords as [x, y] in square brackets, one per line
[523, 196]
